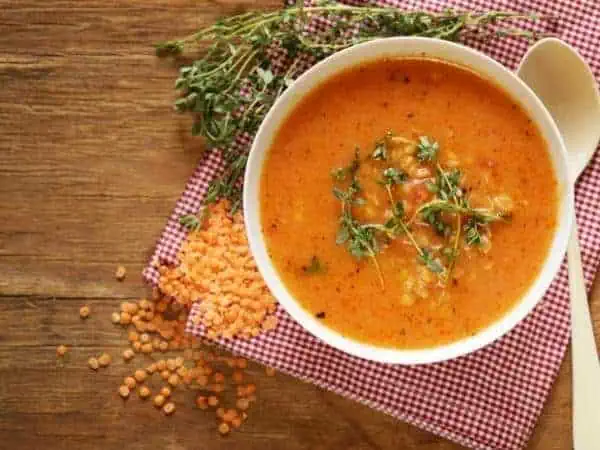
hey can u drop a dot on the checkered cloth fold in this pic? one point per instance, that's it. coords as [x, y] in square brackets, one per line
[490, 399]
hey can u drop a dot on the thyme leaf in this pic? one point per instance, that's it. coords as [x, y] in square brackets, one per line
[392, 176]
[342, 173]
[192, 222]
[426, 257]
[380, 151]
[472, 232]
[427, 151]
[315, 266]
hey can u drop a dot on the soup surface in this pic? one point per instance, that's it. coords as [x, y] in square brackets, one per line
[439, 222]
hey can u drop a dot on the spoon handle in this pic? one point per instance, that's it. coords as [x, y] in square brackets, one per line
[586, 367]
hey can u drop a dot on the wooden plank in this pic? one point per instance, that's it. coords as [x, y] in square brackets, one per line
[67, 403]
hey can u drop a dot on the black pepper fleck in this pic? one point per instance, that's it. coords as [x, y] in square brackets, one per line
[320, 315]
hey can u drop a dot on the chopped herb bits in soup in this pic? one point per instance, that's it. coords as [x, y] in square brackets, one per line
[408, 203]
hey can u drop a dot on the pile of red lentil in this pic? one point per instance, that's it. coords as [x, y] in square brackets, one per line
[216, 270]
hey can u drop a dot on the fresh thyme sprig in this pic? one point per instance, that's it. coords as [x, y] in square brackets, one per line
[363, 239]
[360, 239]
[230, 89]
[451, 199]
[447, 188]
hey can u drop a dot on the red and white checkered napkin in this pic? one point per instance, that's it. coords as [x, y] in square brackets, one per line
[492, 398]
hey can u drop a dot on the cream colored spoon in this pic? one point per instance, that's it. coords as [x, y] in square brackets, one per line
[566, 85]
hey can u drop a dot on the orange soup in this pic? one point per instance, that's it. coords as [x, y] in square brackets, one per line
[408, 203]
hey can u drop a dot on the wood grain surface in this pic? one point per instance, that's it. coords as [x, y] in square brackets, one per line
[92, 159]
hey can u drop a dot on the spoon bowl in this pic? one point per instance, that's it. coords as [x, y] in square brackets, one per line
[567, 87]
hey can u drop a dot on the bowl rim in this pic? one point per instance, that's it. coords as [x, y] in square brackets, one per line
[396, 47]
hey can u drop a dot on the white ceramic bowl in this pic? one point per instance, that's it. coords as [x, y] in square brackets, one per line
[403, 47]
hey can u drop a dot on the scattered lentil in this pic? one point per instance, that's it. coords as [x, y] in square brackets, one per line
[236, 422]
[128, 354]
[159, 400]
[104, 360]
[242, 404]
[145, 305]
[229, 415]
[224, 428]
[61, 350]
[171, 365]
[165, 391]
[241, 363]
[140, 375]
[159, 325]
[173, 380]
[219, 377]
[124, 391]
[130, 382]
[144, 392]
[120, 273]
[84, 312]
[237, 377]
[213, 401]
[202, 402]
[217, 388]
[125, 318]
[270, 371]
[93, 363]
[147, 348]
[169, 408]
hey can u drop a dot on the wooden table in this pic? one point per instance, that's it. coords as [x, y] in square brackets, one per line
[92, 159]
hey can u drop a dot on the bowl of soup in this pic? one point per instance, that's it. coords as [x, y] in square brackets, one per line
[407, 200]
